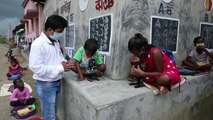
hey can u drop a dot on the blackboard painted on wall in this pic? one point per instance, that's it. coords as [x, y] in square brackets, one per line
[70, 36]
[206, 31]
[69, 42]
[100, 28]
[164, 32]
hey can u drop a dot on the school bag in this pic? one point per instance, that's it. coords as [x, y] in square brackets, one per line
[169, 54]
[22, 112]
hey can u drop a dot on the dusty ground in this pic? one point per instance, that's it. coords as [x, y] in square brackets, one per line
[4, 101]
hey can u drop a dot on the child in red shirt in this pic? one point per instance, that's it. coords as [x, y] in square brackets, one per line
[15, 70]
[158, 69]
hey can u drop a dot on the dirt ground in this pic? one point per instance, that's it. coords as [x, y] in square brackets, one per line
[4, 100]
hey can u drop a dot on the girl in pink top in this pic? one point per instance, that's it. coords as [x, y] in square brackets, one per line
[20, 95]
[157, 68]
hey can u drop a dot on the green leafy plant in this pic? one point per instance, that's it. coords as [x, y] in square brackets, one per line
[2, 40]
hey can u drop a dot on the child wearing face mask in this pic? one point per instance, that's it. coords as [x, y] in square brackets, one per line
[198, 58]
[20, 95]
[86, 53]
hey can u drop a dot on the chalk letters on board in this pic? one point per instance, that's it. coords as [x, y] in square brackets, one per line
[70, 36]
[100, 28]
[164, 32]
[206, 31]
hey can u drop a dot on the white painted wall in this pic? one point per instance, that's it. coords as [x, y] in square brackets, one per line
[129, 17]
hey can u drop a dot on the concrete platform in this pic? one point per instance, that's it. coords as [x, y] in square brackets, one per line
[116, 100]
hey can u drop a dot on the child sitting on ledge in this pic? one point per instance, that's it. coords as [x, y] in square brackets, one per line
[157, 68]
[198, 58]
[88, 57]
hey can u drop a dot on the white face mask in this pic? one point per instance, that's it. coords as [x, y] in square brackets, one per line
[56, 36]
[199, 44]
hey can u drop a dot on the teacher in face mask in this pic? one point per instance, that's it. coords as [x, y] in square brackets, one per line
[47, 63]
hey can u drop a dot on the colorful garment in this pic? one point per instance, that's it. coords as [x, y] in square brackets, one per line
[169, 68]
[81, 57]
[25, 94]
[15, 70]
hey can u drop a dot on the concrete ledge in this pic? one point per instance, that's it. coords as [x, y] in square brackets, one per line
[116, 100]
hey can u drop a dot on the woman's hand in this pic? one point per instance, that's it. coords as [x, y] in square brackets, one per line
[137, 71]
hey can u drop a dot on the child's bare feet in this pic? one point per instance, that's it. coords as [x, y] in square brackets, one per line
[162, 90]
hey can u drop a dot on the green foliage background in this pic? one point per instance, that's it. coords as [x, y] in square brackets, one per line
[2, 40]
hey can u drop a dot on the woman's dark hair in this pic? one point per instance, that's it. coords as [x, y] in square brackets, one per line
[91, 45]
[137, 42]
[55, 22]
[198, 39]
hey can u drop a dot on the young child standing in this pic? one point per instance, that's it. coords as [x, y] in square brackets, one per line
[15, 70]
[20, 95]
[199, 57]
[85, 54]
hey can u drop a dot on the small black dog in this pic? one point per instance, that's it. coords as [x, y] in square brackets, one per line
[139, 79]
[91, 72]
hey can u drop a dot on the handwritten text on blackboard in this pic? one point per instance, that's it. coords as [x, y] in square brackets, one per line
[164, 32]
[206, 30]
[100, 29]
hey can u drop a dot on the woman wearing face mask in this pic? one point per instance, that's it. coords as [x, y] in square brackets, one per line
[157, 68]
[20, 95]
[199, 57]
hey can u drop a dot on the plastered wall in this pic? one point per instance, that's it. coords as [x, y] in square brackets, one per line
[129, 17]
